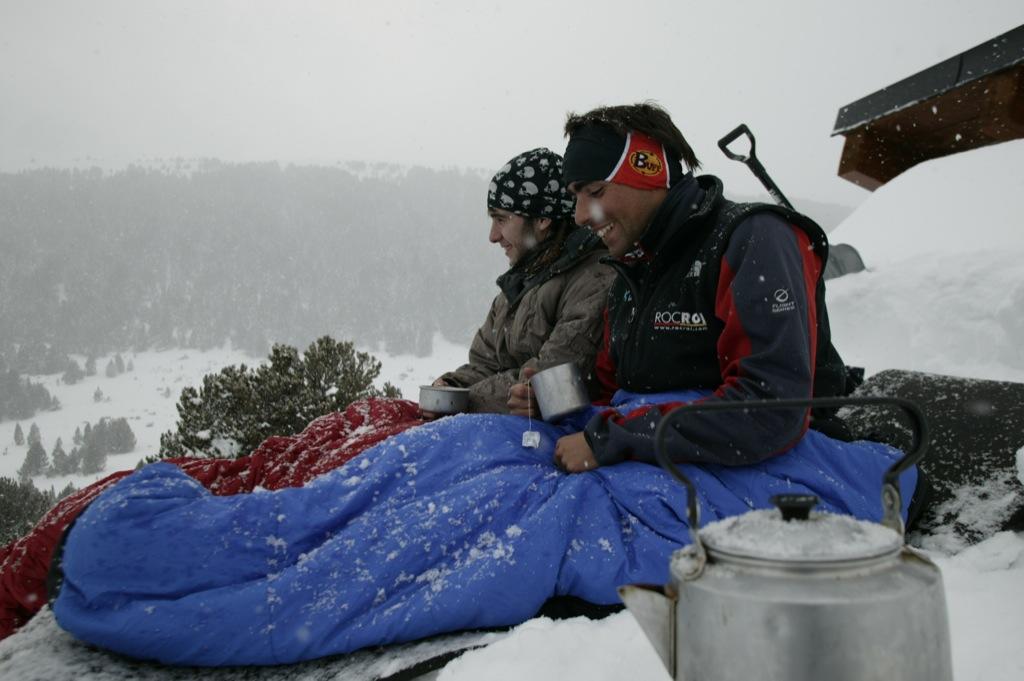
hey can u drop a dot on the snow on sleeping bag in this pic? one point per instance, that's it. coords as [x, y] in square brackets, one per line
[449, 526]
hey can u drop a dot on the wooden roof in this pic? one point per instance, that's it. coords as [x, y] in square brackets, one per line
[970, 100]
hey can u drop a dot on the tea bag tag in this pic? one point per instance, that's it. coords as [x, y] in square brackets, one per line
[531, 438]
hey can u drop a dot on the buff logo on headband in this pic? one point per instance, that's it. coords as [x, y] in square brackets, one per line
[596, 153]
[643, 164]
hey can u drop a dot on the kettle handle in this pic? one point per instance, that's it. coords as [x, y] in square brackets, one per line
[891, 500]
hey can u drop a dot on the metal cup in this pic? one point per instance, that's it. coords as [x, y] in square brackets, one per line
[443, 399]
[560, 391]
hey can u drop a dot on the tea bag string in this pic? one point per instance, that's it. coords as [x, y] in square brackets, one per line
[531, 438]
[529, 408]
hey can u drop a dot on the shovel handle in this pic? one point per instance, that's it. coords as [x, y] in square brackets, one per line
[724, 143]
[750, 160]
[891, 501]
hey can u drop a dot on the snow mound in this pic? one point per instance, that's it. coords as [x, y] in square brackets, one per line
[961, 203]
[944, 290]
[958, 314]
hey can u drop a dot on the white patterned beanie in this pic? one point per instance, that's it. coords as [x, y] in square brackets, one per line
[531, 185]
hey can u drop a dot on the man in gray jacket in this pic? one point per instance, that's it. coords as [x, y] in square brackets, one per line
[549, 310]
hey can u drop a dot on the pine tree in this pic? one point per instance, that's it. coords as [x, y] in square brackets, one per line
[245, 406]
[77, 437]
[19, 436]
[21, 506]
[99, 436]
[119, 363]
[36, 462]
[94, 458]
[73, 374]
[33, 435]
[68, 490]
[9, 385]
[90, 366]
[111, 370]
[131, 366]
[120, 438]
[74, 461]
[19, 401]
[58, 460]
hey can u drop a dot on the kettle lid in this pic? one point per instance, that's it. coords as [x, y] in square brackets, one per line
[793, 535]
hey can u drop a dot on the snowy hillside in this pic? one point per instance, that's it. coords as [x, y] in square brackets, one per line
[147, 396]
[944, 293]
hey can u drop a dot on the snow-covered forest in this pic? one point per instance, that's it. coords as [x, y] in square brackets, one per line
[250, 254]
[203, 254]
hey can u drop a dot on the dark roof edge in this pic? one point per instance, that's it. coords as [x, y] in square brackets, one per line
[994, 55]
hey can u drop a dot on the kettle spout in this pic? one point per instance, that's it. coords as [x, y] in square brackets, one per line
[655, 610]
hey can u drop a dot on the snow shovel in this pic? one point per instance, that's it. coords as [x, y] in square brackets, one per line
[845, 258]
[750, 159]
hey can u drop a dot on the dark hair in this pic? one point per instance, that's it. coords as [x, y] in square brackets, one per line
[559, 229]
[554, 244]
[646, 117]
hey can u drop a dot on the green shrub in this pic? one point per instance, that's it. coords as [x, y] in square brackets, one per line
[21, 506]
[239, 407]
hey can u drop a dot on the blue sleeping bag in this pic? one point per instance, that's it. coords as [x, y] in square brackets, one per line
[449, 526]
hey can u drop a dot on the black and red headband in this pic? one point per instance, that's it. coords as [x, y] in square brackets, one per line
[597, 153]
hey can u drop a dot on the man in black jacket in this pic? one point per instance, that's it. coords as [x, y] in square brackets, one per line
[709, 295]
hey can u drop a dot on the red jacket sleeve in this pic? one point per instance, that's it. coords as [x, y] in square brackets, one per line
[604, 366]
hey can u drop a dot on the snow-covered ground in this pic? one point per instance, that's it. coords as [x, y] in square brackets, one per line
[944, 293]
[148, 395]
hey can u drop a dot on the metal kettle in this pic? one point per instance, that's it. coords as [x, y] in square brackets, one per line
[790, 594]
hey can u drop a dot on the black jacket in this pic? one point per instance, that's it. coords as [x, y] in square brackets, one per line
[726, 297]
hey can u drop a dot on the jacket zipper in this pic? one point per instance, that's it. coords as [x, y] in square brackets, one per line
[631, 320]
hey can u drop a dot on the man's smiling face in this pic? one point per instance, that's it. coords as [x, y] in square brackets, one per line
[618, 214]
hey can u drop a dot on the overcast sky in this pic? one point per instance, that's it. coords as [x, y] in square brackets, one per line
[468, 84]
